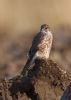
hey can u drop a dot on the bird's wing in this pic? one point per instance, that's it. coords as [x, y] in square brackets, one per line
[35, 42]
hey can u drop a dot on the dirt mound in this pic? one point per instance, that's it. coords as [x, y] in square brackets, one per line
[46, 78]
[52, 72]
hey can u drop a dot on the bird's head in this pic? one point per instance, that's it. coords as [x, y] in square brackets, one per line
[44, 28]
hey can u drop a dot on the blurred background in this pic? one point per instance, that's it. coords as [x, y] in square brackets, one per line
[20, 20]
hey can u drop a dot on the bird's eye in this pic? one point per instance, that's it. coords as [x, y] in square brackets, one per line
[46, 28]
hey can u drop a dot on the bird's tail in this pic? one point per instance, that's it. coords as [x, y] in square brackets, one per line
[28, 66]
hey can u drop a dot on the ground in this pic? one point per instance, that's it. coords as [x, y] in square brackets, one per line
[47, 80]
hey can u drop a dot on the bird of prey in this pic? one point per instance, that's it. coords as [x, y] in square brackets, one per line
[41, 46]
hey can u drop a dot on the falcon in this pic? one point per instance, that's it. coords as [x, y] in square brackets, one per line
[41, 46]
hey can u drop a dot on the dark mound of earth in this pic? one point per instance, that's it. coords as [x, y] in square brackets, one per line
[45, 81]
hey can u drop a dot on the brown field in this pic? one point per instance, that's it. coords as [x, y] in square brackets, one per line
[19, 22]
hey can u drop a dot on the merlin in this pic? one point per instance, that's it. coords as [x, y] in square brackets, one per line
[41, 46]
